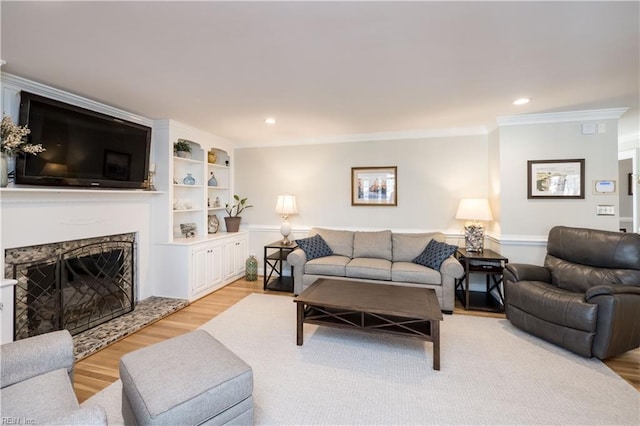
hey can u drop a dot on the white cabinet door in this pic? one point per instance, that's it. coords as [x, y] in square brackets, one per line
[235, 253]
[240, 255]
[229, 258]
[214, 265]
[199, 269]
[207, 267]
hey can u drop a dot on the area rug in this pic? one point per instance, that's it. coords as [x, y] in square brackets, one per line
[146, 312]
[491, 373]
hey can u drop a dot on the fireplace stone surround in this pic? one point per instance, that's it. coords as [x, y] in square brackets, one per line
[76, 284]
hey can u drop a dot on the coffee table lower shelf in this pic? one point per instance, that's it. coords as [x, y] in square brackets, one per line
[427, 330]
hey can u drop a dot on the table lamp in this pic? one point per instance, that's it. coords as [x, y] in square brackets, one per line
[474, 210]
[285, 206]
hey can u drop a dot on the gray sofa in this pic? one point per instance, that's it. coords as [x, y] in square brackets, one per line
[36, 377]
[377, 257]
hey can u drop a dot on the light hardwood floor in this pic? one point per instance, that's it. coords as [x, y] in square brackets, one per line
[96, 372]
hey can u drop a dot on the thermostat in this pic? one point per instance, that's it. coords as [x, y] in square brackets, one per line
[604, 187]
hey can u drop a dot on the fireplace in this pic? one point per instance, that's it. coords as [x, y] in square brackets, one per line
[74, 285]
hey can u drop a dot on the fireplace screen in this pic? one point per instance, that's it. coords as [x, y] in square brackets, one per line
[76, 290]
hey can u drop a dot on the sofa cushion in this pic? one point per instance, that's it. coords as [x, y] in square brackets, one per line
[41, 398]
[372, 244]
[329, 265]
[434, 254]
[369, 268]
[340, 242]
[407, 247]
[410, 272]
[314, 247]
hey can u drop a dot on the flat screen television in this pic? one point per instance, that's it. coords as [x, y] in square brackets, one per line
[83, 148]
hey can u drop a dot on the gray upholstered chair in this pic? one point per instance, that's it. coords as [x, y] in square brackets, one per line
[586, 297]
[36, 383]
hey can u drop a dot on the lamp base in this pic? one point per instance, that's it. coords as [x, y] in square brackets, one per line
[285, 230]
[474, 236]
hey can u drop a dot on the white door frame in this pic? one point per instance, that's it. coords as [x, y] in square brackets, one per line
[633, 154]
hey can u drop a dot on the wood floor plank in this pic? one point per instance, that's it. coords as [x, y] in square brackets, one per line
[96, 372]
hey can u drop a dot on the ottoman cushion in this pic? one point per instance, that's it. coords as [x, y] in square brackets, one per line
[189, 379]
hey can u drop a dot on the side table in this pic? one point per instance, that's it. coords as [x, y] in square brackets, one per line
[490, 264]
[275, 254]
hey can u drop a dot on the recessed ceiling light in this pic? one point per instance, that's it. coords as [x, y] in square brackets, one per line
[270, 120]
[521, 101]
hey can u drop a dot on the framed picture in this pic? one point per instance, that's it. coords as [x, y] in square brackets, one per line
[189, 230]
[374, 186]
[117, 165]
[555, 179]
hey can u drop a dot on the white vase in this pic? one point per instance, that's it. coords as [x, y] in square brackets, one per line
[4, 178]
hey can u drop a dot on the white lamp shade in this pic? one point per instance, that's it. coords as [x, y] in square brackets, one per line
[286, 205]
[474, 209]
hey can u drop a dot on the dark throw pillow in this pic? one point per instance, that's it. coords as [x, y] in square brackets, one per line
[314, 247]
[434, 254]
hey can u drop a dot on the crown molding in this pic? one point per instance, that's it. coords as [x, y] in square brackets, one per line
[380, 136]
[561, 117]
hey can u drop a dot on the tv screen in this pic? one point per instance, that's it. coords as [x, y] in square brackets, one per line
[83, 148]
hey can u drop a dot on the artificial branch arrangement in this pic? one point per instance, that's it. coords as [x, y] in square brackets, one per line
[14, 139]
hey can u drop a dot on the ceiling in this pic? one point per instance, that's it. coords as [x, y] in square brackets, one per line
[331, 70]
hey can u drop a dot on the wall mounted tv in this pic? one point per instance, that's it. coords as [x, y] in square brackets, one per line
[83, 148]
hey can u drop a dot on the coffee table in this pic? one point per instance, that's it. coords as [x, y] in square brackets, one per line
[376, 308]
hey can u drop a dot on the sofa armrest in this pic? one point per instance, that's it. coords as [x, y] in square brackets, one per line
[297, 258]
[451, 266]
[611, 289]
[30, 357]
[515, 272]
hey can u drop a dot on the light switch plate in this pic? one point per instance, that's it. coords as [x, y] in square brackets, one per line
[605, 210]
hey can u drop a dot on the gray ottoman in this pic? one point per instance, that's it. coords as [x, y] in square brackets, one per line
[189, 380]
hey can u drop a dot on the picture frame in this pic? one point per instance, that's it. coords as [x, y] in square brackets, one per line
[117, 165]
[555, 179]
[374, 186]
[189, 230]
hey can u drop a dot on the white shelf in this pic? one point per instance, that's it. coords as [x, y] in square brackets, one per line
[218, 166]
[187, 210]
[221, 188]
[186, 160]
[182, 185]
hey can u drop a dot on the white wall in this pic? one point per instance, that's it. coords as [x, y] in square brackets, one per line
[433, 174]
[522, 220]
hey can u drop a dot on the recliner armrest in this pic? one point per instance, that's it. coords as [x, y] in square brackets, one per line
[522, 272]
[30, 357]
[611, 289]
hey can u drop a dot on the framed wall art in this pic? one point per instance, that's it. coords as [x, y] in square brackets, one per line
[555, 179]
[374, 186]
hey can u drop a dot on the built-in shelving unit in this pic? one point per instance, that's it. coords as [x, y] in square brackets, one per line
[192, 266]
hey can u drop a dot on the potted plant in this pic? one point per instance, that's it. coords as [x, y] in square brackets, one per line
[182, 148]
[233, 220]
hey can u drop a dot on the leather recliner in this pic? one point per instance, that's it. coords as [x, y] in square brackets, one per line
[586, 297]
